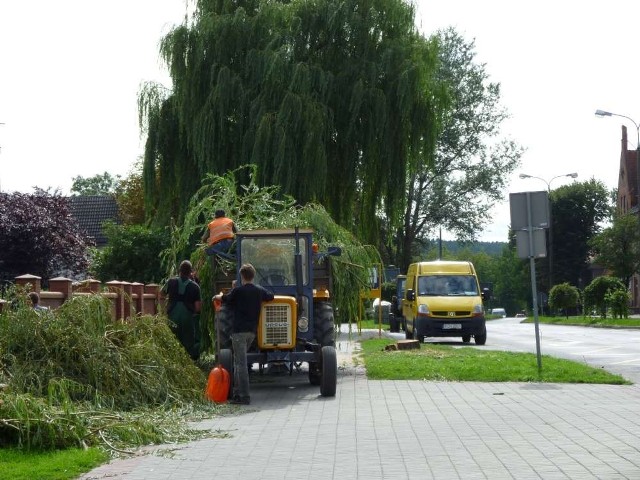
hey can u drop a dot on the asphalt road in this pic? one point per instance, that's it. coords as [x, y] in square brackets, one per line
[615, 350]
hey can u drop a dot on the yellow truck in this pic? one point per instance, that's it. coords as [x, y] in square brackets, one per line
[444, 299]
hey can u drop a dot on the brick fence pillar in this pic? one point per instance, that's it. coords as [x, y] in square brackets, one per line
[152, 298]
[32, 280]
[137, 292]
[116, 287]
[62, 285]
[90, 285]
[128, 306]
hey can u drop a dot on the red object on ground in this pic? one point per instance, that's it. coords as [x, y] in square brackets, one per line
[218, 384]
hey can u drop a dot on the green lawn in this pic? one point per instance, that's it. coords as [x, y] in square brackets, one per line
[588, 321]
[446, 363]
[55, 465]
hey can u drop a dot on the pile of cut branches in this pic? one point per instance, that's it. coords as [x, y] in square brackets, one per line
[72, 376]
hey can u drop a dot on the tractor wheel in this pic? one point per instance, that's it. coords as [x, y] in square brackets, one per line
[225, 358]
[224, 326]
[329, 379]
[324, 328]
[315, 374]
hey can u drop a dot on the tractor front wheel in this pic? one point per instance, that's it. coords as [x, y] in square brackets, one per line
[329, 380]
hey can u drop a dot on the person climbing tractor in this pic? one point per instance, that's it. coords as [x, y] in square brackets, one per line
[219, 235]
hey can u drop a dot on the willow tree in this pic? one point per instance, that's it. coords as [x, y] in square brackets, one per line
[335, 101]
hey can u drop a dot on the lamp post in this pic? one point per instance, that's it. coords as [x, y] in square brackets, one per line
[602, 113]
[548, 184]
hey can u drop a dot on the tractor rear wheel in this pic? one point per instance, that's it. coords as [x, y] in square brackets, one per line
[224, 322]
[329, 379]
[315, 374]
[225, 358]
[324, 328]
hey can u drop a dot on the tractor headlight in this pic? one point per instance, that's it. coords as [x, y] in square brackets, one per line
[303, 324]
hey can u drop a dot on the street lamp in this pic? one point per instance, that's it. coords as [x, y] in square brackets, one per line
[548, 183]
[602, 113]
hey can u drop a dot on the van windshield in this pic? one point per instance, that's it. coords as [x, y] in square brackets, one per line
[447, 285]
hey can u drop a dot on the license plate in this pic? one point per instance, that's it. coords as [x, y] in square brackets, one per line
[452, 326]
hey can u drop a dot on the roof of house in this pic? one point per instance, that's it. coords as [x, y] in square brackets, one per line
[91, 212]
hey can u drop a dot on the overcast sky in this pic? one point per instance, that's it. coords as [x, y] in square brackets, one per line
[70, 72]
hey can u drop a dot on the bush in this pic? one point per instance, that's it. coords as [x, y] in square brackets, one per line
[618, 301]
[595, 295]
[564, 297]
[39, 236]
[132, 254]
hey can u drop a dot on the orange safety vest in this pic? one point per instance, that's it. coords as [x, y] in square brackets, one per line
[220, 229]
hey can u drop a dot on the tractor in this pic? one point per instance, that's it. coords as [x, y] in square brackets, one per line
[297, 326]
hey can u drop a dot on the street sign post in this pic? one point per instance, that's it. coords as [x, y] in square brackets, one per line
[529, 218]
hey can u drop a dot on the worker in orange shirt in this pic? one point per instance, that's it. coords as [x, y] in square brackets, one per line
[220, 234]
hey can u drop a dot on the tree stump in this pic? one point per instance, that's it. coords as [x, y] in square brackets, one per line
[408, 344]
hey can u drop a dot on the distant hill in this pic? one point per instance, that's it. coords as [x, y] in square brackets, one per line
[452, 246]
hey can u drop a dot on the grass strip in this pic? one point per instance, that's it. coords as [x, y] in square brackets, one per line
[446, 363]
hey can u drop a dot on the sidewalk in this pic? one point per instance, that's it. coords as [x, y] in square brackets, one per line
[409, 429]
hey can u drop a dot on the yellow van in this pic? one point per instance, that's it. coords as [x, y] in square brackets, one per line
[443, 299]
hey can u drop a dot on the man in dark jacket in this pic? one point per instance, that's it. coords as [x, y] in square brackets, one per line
[183, 308]
[246, 302]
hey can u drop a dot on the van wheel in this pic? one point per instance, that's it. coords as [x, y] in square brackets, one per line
[416, 334]
[466, 338]
[482, 338]
[407, 334]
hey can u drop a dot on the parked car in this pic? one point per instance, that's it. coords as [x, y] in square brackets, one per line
[500, 312]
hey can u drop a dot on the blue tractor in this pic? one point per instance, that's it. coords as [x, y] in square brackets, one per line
[298, 325]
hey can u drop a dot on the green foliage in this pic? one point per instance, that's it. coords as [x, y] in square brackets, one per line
[445, 363]
[334, 101]
[253, 207]
[130, 197]
[589, 321]
[65, 464]
[617, 247]
[597, 294]
[39, 236]
[131, 254]
[388, 290]
[618, 301]
[74, 377]
[577, 212]
[564, 297]
[100, 184]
